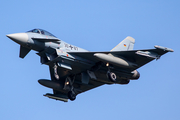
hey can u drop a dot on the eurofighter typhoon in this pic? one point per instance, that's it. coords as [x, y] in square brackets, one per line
[74, 70]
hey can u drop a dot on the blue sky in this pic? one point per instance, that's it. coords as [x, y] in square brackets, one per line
[96, 25]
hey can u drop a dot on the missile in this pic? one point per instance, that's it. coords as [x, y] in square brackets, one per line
[114, 60]
[60, 97]
[50, 84]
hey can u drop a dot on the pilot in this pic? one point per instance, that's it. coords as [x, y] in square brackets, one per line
[36, 31]
[42, 32]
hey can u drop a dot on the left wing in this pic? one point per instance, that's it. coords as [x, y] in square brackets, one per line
[138, 57]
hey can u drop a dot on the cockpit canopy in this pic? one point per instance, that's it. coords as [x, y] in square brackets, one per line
[41, 31]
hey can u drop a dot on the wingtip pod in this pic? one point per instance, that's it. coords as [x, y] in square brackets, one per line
[164, 48]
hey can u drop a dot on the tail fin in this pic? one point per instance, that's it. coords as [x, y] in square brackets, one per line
[126, 44]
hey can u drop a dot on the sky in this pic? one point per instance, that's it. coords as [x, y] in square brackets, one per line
[96, 25]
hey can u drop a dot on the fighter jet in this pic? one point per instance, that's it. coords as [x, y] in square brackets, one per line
[74, 70]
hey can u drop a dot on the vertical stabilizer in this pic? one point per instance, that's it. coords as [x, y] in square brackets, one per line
[126, 44]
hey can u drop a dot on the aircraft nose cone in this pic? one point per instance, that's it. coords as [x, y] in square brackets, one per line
[20, 38]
